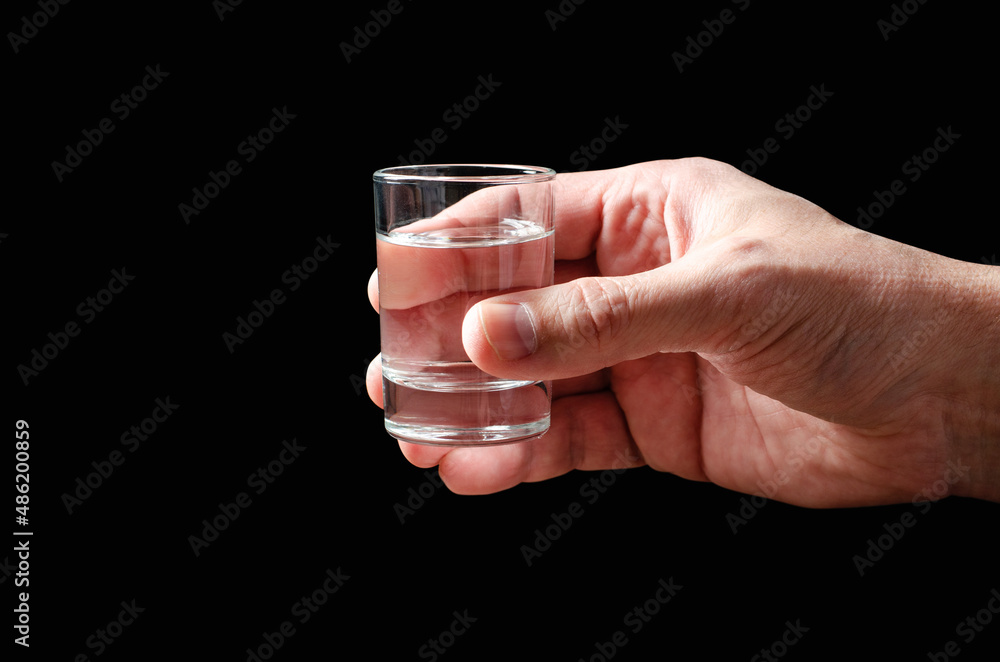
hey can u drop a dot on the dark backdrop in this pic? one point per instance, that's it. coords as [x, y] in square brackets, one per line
[138, 230]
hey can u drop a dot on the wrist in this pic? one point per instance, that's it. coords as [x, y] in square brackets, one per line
[969, 388]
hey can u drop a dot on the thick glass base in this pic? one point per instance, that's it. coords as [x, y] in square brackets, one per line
[450, 436]
[468, 413]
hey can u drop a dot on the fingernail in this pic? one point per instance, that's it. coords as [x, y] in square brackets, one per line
[508, 329]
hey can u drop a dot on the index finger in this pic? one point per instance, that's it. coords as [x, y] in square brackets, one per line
[622, 210]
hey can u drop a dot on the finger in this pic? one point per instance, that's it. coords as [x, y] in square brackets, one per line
[424, 455]
[578, 210]
[592, 383]
[662, 397]
[588, 432]
[373, 289]
[373, 381]
[588, 324]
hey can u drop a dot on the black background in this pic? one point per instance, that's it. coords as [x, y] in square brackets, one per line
[339, 505]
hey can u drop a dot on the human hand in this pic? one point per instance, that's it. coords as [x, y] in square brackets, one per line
[711, 326]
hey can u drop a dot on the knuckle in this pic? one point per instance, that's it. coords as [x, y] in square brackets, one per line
[596, 312]
[753, 267]
[757, 292]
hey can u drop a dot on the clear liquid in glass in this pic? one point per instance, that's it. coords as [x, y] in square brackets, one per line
[428, 279]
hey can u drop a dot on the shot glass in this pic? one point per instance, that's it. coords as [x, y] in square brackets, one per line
[449, 236]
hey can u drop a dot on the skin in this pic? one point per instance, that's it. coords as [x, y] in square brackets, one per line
[708, 325]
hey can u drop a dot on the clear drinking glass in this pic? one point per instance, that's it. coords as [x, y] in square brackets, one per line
[449, 236]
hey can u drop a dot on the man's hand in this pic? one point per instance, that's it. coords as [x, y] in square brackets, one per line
[709, 325]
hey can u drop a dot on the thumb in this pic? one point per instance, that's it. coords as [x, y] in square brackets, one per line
[591, 323]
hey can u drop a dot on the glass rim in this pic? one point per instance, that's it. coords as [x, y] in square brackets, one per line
[520, 174]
